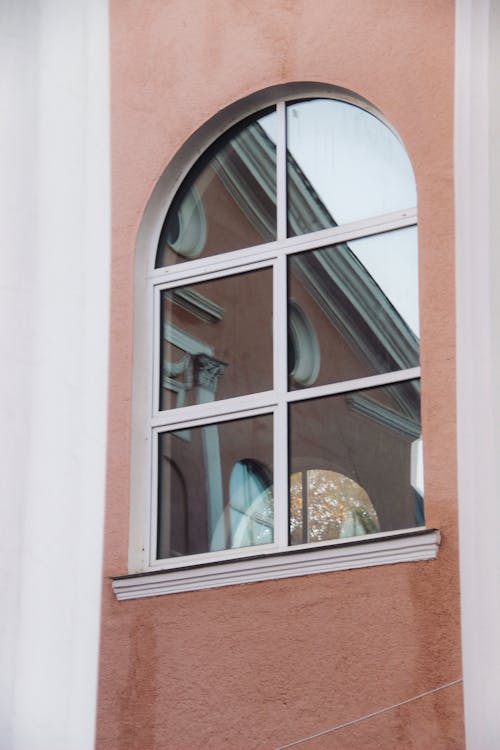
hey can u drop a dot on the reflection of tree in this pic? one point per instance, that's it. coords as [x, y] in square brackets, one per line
[323, 505]
[260, 521]
[334, 507]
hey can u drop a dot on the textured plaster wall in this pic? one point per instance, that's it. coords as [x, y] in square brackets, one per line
[257, 666]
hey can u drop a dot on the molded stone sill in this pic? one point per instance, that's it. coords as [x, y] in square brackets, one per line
[410, 546]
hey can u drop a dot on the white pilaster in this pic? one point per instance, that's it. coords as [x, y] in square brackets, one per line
[477, 163]
[54, 302]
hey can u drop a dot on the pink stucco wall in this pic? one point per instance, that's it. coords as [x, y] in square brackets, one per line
[256, 666]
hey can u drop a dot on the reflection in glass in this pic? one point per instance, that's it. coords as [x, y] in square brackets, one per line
[216, 339]
[361, 300]
[356, 463]
[328, 505]
[208, 498]
[251, 504]
[343, 164]
[304, 356]
[228, 200]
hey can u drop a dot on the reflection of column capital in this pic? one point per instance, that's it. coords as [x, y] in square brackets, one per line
[207, 371]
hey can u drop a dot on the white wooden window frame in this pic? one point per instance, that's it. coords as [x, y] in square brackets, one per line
[148, 423]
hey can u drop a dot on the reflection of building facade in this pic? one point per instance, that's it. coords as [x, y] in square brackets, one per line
[352, 629]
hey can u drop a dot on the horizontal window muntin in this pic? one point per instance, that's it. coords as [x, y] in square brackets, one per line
[232, 268]
[256, 402]
[271, 250]
[217, 411]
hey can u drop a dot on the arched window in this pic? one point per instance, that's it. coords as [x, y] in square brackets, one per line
[283, 325]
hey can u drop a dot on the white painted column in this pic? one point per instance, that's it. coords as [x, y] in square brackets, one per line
[477, 139]
[207, 370]
[54, 300]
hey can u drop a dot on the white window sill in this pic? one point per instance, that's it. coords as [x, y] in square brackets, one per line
[407, 546]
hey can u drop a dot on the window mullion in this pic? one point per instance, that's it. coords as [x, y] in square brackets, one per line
[362, 383]
[280, 342]
[281, 198]
[281, 414]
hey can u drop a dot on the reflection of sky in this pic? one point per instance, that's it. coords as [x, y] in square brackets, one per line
[392, 260]
[268, 122]
[417, 465]
[355, 163]
[360, 169]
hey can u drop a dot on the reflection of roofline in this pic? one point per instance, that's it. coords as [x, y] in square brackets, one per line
[246, 167]
[377, 412]
[343, 288]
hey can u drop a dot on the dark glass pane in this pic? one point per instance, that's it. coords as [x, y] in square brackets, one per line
[343, 164]
[215, 487]
[216, 339]
[228, 200]
[353, 309]
[356, 464]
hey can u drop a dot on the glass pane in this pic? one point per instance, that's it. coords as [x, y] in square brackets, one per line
[356, 464]
[353, 309]
[216, 339]
[228, 200]
[215, 487]
[344, 164]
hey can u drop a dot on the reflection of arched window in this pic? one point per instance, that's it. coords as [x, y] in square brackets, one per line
[303, 347]
[186, 233]
[328, 505]
[250, 504]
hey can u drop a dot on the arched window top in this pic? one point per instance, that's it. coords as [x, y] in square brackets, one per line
[308, 164]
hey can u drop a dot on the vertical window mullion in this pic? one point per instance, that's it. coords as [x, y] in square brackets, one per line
[281, 198]
[281, 413]
[280, 342]
[281, 475]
